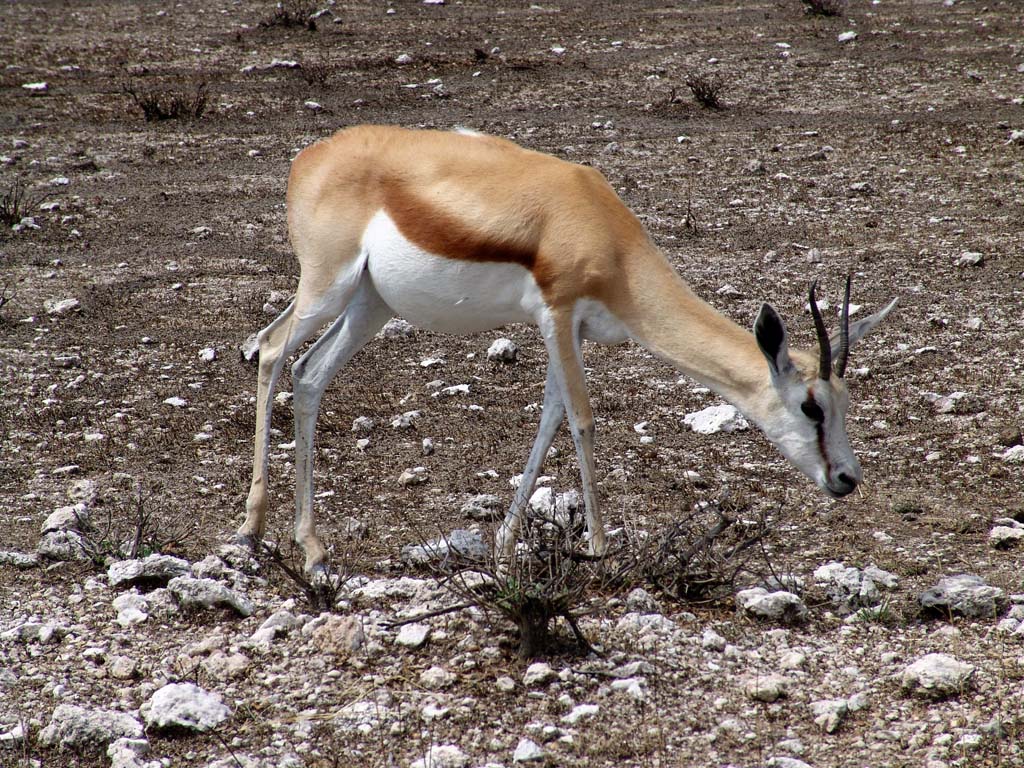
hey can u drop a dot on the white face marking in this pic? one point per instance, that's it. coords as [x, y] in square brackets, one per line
[448, 295]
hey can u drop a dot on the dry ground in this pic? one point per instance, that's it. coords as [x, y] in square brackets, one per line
[171, 236]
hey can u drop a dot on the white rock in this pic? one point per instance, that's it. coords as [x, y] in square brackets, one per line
[936, 675]
[413, 476]
[528, 751]
[766, 688]
[773, 606]
[581, 712]
[970, 259]
[207, 354]
[847, 37]
[460, 542]
[75, 728]
[829, 713]
[71, 518]
[1014, 454]
[403, 58]
[176, 402]
[413, 635]
[363, 424]
[436, 678]
[406, 420]
[442, 756]
[966, 595]
[155, 568]
[60, 306]
[396, 328]
[207, 593]
[505, 684]
[712, 641]
[631, 686]
[716, 418]
[128, 753]
[484, 506]
[538, 673]
[1005, 536]
[184, 705]
[503, 351]
[36, 87]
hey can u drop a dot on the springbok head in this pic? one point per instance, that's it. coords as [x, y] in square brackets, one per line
[808, 423]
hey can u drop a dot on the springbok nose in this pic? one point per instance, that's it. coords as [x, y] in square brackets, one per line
[844, 484]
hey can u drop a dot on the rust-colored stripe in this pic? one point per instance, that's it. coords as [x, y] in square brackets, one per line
[442, 234]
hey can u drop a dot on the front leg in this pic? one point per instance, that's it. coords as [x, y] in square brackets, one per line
[561, 336]
[550, 419]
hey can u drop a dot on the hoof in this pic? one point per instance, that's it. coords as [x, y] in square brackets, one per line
[245, 540]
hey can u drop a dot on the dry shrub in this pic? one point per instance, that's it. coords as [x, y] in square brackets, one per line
[825, 7]
[707, 88]
[15, 204]
[291, 13]
[161, 104]
[547, 579]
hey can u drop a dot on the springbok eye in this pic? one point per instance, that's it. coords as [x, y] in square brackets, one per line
[812, 411]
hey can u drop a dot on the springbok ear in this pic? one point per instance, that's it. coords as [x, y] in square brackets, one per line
[862, 328]
[773, 340]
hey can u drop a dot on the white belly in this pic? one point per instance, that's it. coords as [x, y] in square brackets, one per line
[449, 295]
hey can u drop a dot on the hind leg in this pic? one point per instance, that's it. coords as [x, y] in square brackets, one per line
[312, 309]
[365, 314]
[276, 343]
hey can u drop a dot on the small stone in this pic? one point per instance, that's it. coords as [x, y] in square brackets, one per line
[413, 635]
[63, 546]
[538, 673]
[442, 756]
[829, 713]
[176, 402]
[484, 506]
[970, 259]
[339, 635]
[397, 328]
[937, 675]
[70, 518]
[36, 87]
[413, 476]
[75, 728]
[459, 543]
[503, 351]
[965, 595]
[641, 601]
[716, 418]
[184, 705]
[505, 684]
[123, 668]
[154, 569]
[1005, 536]
[207, 354]
[363, 424]
[847, 37]
[528, 751]
[581, 712]
[225, 666]
[772, 606]
[1013, 455]
[437, 678]
[767, 688]
[60, 307]
[713, 641]
[403, 58]
[207, 593]
[406, 420]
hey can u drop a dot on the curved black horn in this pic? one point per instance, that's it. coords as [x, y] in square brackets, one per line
[825, 355]
[844, 333]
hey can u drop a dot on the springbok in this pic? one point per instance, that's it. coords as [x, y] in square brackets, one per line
[461, 232]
